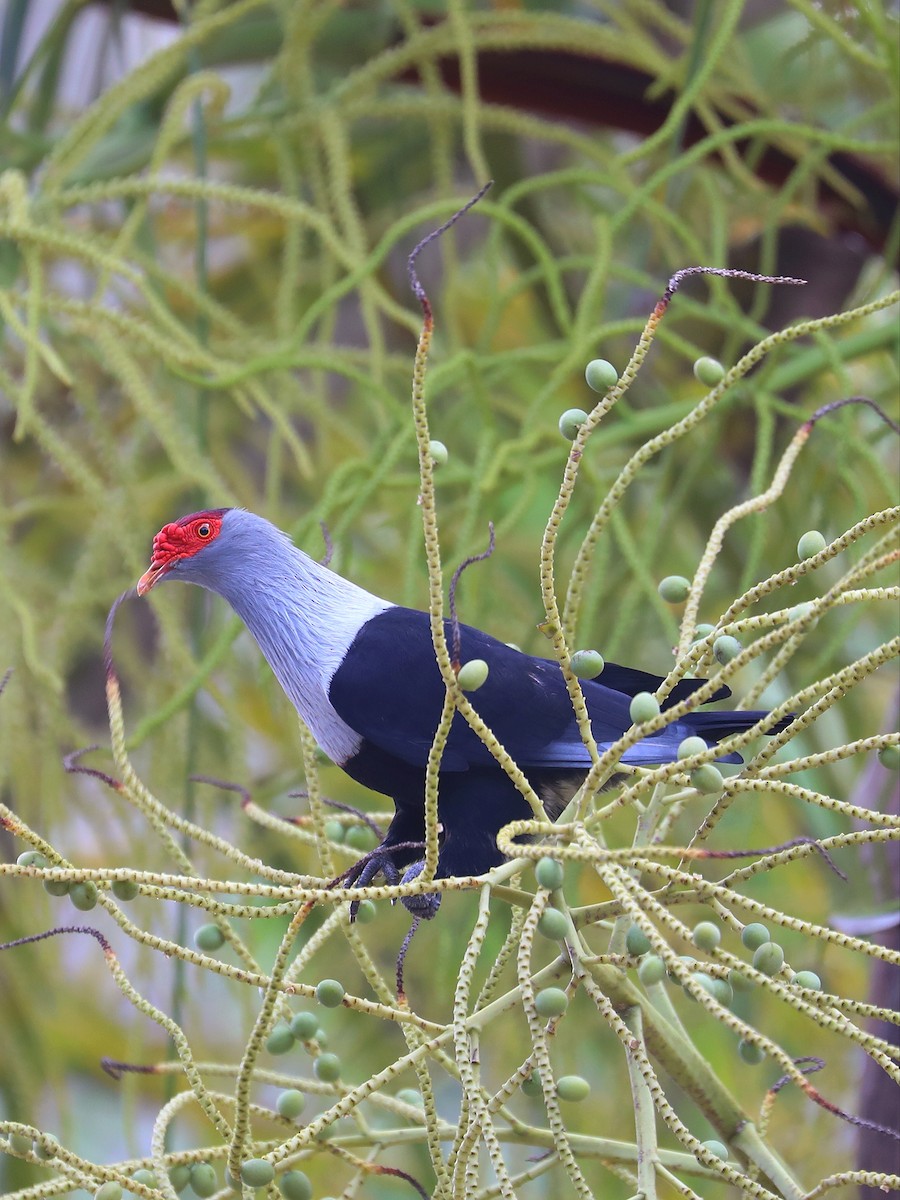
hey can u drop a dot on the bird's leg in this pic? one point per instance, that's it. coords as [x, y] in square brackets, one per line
[403, 839]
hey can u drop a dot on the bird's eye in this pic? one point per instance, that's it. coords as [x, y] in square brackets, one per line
[204, 530]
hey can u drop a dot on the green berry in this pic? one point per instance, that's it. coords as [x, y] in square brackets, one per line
[687, 961]
[571, 421]
[674, 589]
[752, 1054]
[532, 1085]
[652, 970]
[551, 1002]
[706, 935]
[739, 981]
[360, 837]
[335, 831]
[472, 674]
[304, 1026]
[703, 631]
[726, 648]
[636, 941]
[768, 958]
[712, 1146]
[204, 1180]
[439, 453]
[31, 858]
[147, 1178]
[295, 1185]
[257, 1172]
[644, 707]
[179, 1176]
[811, 544]
[801, 611]
[553, 924]
[280, 1040]
[125, 889]
[56, 887]
[754, 935]
[587, 664]
[709, 371]
[366, 913]
[209, 937]
[691, 746]
[889, 757]
[600, 375]
[707, 779]
[572, 1087]
[701, 979]
[549, 873]
[411, 1096]
[109, 1191]
[327, 1067]
[47, 1148]
[721, 990]
[330, 993]
[20, 1143]
[808, 979]
[290, 1104]
[84, 895]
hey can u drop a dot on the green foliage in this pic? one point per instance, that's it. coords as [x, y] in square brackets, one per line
[203, 302]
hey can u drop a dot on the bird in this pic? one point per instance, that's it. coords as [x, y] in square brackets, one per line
[362, 673]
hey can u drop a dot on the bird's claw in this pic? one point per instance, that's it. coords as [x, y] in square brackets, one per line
[379, 862]
[425, 905]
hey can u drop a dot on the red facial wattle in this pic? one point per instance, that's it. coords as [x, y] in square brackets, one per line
[179, 540]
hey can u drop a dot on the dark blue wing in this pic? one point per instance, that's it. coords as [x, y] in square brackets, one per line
[389, 690]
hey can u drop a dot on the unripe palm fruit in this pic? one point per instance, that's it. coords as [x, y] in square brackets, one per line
[571, 421]
[280, 1040]
[31, 858]
[290, 1104]
[691, 746]
[125, 889]
[330, 993]
[674, 589]
[439, 453]
[56, 887]
[752, 1054]
[644, 707]
[549, 873]
[179, 1176]
[473, 674]
[109, 1191]
[706, 935]
[257, 1172]
[707, 779]
[811, 544]
[553, 924]
[768, 958]
[209, 937]
[600, 375]
[327, 1067]
[703, 631]
[551, 1002]
[889, 757]
[636, 941]
[712, 1146]
[572, 1087]
[652, 970]
[204, 1180]
[147, 1178]
[411, 1096]
[335, 831]
[754, 934]
[709, 371]
[587, 664]
[304, 1026]
[532, 1085]
[808, 979]
[366, 913]
[84, 895]
[360, 837]
[295, 1185]
[726, 648]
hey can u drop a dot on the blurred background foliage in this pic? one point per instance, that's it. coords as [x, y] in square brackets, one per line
[204, 302]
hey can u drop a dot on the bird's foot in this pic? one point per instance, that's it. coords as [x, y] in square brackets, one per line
[428, 903]
[379, 862]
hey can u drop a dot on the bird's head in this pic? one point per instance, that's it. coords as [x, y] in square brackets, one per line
[177, 546]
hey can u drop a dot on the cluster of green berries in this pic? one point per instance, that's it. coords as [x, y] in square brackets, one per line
[768, 958]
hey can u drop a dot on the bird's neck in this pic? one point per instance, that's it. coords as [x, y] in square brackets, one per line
[304, 619]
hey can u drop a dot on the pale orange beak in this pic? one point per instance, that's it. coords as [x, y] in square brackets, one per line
[151, 577]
